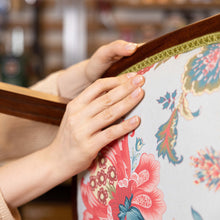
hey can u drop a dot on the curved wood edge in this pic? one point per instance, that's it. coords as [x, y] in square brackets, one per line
[187, 33]
[34, 105]
[30, 104]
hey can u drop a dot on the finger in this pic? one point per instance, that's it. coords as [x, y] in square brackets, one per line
[115, 50]
[115, 112]
[113, 96]
[101, 86]
[106, 55]
[114, 132]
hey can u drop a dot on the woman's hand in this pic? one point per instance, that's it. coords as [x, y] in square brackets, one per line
[105, 56]
[89, 122]
[87, 126]
[76, 78]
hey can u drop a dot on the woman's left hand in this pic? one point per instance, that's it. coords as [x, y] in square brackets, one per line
[76, 78]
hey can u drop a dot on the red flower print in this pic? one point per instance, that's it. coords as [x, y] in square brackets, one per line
[112, 176]
[125, 194]
[102, 162]
[147, 174]
[93, 183]
[151, 204]
[142, 185]
[102, 195]
[101, 178]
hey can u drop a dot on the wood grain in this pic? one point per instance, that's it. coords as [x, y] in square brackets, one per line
[29, 104]
[26, 103]
[190, 32]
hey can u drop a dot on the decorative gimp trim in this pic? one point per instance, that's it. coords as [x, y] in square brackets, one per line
[176, 50]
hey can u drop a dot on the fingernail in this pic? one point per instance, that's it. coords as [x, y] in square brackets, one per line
[138, 79]
[134, 120]
[131, 46]
[136, 92]
[132, 74]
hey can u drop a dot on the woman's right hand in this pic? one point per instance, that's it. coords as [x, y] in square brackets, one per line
[87, 126]
[89, 121]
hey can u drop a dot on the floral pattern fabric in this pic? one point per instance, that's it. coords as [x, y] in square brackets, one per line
[169, 167]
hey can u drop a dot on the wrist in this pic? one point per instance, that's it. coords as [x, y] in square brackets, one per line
[38, 173]
[57, 164]
[73, 80]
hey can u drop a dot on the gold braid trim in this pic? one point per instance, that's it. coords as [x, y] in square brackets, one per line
[176, 50]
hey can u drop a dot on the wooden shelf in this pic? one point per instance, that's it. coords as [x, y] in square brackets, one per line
[142, 5]
[120, 25]
[195, 6]
[49, 25]
[55, 48]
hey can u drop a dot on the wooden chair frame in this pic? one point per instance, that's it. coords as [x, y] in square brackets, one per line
[29, 104]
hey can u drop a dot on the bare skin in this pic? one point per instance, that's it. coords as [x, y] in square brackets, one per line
[87, 126]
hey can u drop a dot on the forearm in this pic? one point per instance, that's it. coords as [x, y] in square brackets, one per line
[31, 176]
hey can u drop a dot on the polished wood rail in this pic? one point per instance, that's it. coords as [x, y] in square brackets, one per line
[187, 33]
[29, 104]
[26, 103]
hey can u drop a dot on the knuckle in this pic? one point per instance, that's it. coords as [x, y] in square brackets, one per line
[122, 78]
[109, 134]
[74, 126]
[74, 104]
[101, 50]
[99, 84]
[107, 101]
[119, 42]
[108, 115]
[71, 122]
[69, 107]
[125, 127]
[71, 126]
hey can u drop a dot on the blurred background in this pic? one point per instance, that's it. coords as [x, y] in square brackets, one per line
[38, 37]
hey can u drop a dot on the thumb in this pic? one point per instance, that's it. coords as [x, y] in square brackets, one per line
[106, 55]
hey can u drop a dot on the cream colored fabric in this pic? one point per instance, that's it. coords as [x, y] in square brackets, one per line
[19, 137]
[29, 135]
[168, 168]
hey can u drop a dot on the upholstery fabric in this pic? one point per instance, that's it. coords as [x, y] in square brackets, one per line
[169, 167]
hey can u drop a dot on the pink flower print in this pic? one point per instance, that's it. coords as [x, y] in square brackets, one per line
[101, 178]
[129, 195]
[148, 171]
[151, 204]
[208, 168]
